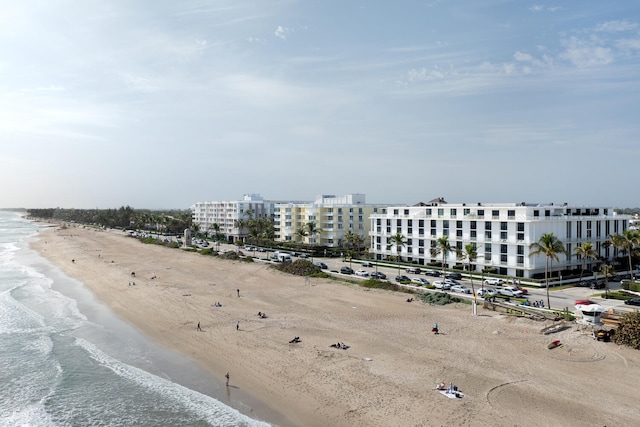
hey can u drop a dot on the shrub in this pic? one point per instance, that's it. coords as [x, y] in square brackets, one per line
[439, 298]
[300, 267]
[628, 332]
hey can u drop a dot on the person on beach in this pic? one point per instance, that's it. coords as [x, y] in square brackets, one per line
[237, 326]
[198, 327]
[238, 290]
[435, 328]
[227, 378]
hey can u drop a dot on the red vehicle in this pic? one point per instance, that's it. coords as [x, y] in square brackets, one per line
[523, 290]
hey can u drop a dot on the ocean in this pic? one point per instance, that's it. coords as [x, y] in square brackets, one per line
[66, 360]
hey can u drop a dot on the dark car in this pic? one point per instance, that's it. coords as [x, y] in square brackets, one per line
[454, 276]
[346, 270]
[402, 279]
[378, 275]
[414, 270]
[633, 301]
[322, 265]
[432, 273]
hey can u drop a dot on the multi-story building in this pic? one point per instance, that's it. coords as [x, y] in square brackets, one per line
[334, 216]
[226, 214]
[502, 233]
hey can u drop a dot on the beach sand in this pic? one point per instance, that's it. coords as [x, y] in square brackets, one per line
[387, 375]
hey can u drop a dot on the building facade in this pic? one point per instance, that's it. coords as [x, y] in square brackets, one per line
[335, 216]
[227, 213]
[501, 233]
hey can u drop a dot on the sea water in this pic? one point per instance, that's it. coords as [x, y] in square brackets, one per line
[65, 360]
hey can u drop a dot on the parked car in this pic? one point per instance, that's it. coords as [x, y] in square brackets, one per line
[402, 279]
[362, 273]
[378, 275]
[346, 270]
[633, 301]
[367, 264]
[413, 270]
[460, 288]
[494, 281]
[441, 285]
[303, 256]
[510, 291]
[432, 273]
[420, 281]
[485, 293]
[322, 265]
[524, 291]
[451, 282]
[454, 276]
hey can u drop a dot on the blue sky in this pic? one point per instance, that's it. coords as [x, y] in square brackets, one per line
[159, 104]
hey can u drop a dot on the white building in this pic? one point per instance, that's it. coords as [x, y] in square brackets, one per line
[226, 214]
[335, 216]
[502, 233]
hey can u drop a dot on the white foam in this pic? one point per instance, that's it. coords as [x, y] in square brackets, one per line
[207, 407]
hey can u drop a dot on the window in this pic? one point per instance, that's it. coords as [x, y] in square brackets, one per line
[520, 250]
[511, 214]
[440, 212]
[487, 234]
[421, 223]
[487, 226]
[453, 212]
[395, 212]
[521, 226]
[503, 235]
[458, 224]
[406, 211]
[433, 232]
[459, 234]
[503, 249]
[473, 234]
[399, 223]
[445, 232]
[473, 225]
[520, 237]
[480, 212]
[503, 226]
[520, 260]
[536, 214]
[503, 258]
[495, 214]
[445, 223]
[433, 223]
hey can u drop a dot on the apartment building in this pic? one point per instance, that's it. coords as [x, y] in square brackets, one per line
[501, 232]
[226, 214]
[334, 215]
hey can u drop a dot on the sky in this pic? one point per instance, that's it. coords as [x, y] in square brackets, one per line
[161, 103]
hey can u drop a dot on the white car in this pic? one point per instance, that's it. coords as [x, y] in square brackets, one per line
[460, 288]
[485, 293]
[494, 281]
[441, 285]
[510, 291]
[420, 281]
[362, 273]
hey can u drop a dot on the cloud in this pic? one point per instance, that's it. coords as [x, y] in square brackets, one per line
[616, 26]
[586, 53]
[281, 32]
[628, 44]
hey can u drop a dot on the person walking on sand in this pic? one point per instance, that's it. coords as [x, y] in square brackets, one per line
[198, 327]
[237, 326]
[227, 378]
[238, 290]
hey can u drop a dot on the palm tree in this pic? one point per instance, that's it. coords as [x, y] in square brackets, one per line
[470, 253]
[442, 247]
[585, 251]
[301, 233]
[626, 242]
[313, 230]
[399, 241]
[607, 271]
[549, 246]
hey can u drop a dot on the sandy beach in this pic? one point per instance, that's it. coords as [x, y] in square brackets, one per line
[387, 375]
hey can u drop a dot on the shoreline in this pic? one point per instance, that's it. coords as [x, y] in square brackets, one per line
[387, 375]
